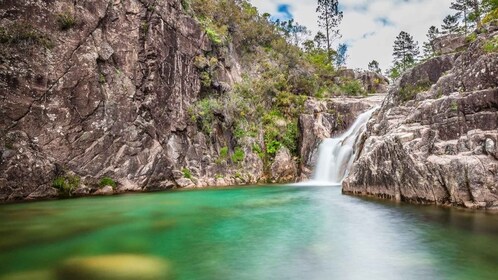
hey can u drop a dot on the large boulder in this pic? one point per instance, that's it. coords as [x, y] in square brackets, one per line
[283, 168]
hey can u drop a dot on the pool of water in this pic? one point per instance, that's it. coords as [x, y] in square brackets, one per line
[273, 232]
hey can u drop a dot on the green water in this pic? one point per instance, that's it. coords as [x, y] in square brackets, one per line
[285, 232]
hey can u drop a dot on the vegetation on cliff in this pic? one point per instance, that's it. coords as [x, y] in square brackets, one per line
[279, 74]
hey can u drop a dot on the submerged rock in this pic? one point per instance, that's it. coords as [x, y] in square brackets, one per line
[111, 267]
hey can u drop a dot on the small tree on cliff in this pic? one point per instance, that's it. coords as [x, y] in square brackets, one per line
[450, 24]
[329, 19]
[374, 66]
[428, 47]
[405, 51]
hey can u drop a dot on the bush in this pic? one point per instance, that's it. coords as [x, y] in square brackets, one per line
[66, 21]
[106, 181]
[352, 88]
[186, 173]
[238, 155]
[66, 184]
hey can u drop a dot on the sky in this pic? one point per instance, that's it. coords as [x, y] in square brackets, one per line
[369, 27]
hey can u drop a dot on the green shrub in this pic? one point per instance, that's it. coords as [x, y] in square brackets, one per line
[491, 45]
[106, 181]
[66, 184]
[273, 147]
[203, 112]
[66, 21]
[238, 155]
[290, 137]
[471, 38]
[186, 5]
[352, 88]
[186, 173]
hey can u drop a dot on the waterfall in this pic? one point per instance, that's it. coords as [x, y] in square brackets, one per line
[335, 155]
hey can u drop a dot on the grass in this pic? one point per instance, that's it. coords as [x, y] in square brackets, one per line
[66, 184]
[187, 173]
[491, 45]
[408, 92]
[24, 34]
[238, 155]
[66, 21]
[106, 181]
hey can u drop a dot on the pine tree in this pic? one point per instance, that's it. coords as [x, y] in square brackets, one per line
[462, 7]
[320, 40]
[406, 50]
[329, 18]
[374, 66]
[450, 24]
[428, 47]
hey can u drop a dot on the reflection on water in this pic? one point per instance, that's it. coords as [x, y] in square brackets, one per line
[291, 232]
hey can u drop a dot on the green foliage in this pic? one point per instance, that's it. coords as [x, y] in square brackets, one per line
[238, 155]
[491, 45]
[256, 148]
[471, 38]
[224, 152]
[186, 5]
[66, 184]
[352, 88]
[408, 92]
[272, 147]
[454, 106]
[186, 173]
[102, 79]
[66, 21]
[492, 15]
[106, 181]
[23, 35]
[203, 112]
[290, 137]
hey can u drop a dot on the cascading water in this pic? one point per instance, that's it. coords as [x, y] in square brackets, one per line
[335, 155]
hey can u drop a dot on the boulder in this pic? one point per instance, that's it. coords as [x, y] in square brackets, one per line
[283, 168]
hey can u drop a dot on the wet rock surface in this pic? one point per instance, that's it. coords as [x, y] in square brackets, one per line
[434, 138]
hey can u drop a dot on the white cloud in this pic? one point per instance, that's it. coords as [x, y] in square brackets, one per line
[362, 17]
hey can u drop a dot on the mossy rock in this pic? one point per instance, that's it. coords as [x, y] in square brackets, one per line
[113, 267]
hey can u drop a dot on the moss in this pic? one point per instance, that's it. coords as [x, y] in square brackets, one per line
[187, 173]
[66, 21]
[106, 181]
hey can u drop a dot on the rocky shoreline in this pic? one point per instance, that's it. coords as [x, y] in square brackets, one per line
[434, 139]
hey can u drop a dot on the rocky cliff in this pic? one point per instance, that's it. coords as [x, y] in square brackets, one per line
[101, 96]
[97, 89]
[434, 139]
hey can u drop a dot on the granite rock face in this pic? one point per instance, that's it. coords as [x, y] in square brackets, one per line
[434, 138]
[106, 95]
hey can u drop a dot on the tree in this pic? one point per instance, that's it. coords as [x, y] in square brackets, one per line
[341, 55]
[374, 66]
[329, 18]
[462, 7]
[405, 51]
[450, 24]
[320, 40]
[489, 5]
[428, 47]
[292, 31]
